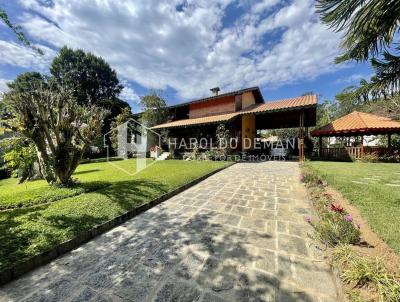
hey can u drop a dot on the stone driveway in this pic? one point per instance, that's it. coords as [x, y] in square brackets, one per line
[240, 235]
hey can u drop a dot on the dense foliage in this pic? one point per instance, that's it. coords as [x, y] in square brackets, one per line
[64, 113]
[154, 108]
[59, 126]
[19, 155]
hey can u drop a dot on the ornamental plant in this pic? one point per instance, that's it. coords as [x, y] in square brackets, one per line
[335, 226]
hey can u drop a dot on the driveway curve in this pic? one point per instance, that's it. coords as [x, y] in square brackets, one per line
[239, 235]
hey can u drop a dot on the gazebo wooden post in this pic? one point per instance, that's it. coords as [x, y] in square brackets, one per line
[362, 146]
[389, 140]
[320, 147]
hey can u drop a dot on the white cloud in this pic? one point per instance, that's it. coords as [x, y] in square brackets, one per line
[15, 54]
[354, 78]
[158, 45]
[128, 94]
[3, 85]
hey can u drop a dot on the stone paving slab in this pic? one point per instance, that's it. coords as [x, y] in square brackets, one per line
[239, 235]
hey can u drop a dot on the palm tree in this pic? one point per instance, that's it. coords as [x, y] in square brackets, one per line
[371, 27]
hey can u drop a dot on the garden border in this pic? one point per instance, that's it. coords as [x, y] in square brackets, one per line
[26, 266]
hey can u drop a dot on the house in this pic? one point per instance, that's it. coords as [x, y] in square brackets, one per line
[244, 112]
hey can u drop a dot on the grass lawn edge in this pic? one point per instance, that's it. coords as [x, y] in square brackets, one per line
[11, 273]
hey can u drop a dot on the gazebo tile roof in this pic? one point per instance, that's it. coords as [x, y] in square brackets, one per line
[358, 122]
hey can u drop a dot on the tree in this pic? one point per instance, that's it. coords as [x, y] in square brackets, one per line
[371, 28]
[154, 109]
[18, 31]
[60, 127]
[123, 117]
[89, 77]
[347, 100]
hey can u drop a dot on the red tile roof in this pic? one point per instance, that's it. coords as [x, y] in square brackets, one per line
[358, 122]
[301, 101]
[198, 121]
[285, 104]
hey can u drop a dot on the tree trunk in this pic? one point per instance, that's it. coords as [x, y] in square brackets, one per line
[66, 163]
[44, 160]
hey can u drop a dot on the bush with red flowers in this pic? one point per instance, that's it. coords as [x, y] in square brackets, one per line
[333, 225]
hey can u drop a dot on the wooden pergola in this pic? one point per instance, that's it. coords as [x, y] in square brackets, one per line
[356, 125]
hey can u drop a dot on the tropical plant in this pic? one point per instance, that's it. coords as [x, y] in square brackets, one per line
[370, 26]
[60, 127]
[371, 31]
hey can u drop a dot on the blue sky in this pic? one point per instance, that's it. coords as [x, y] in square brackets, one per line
[185, 47]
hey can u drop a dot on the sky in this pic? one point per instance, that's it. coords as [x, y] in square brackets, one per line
[186, 47]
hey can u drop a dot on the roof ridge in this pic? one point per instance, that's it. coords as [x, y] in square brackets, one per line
[295, 97]
[361, 118]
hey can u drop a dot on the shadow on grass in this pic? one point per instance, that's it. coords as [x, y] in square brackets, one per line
[25, 232]
[53, 194]
[86, 171]
[131, 193]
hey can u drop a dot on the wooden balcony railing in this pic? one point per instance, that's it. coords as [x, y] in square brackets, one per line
[355, 153]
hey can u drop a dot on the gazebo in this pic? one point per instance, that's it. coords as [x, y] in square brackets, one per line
[356, 125]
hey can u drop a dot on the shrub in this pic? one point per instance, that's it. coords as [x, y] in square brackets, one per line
[334, 225]
[370, 158]
[363, 272]
[335, 228]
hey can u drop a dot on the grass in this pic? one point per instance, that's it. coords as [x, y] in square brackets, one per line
[365, 186]
[29, 230]
[365, 272]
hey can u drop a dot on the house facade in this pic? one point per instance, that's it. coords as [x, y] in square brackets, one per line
[244, 112]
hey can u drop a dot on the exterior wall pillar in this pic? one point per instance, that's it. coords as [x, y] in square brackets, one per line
[248, 131]
[301, 137]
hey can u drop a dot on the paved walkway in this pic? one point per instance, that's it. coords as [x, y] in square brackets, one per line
[240, 235]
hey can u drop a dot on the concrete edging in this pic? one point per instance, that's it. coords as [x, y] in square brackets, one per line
[24, 267]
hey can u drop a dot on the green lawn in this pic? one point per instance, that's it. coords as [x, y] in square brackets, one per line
[374, 188]
[107, 192]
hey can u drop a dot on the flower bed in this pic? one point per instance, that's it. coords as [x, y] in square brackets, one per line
[333, 224]
[365, 278]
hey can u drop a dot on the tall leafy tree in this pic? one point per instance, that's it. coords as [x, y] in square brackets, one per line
[154, 108]
[370, 31]
[121, 118]
[89, 77]
[91, 80]
[347, 100]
